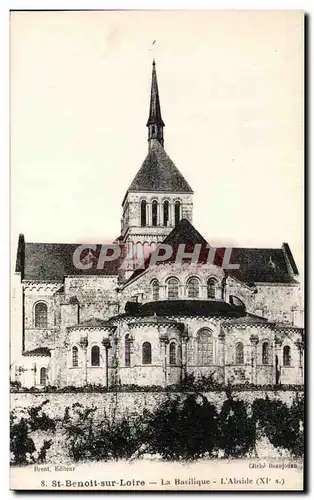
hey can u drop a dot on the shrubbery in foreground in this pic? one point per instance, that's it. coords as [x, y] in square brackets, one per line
[22, 445]
[183, 427]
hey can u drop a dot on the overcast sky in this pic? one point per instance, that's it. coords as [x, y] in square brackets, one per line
[231, 90]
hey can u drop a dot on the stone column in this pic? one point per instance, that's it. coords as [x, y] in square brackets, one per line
[171, 214]
[254, 341]
[299, 344]
[278, 345]
[164, 341]
[160, 214]
[184, 354]
[149, 213]
[84, 345]
[106, 343]
[274, 362]
[34, 369]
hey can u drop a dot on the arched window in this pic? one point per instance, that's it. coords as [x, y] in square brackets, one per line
[265, 353]
[154, 213]
[74, 356]
[193, 288]
[177, 214]
[43, 376]
[127, 350]
[173, 288]
[239, 354]
[143, 213]
[41, 315]
[147, 353]
[166, 212]
[204, 347]
[211, 288]
[172, 354]
[155, 290]
[95, 355]
[286, 355]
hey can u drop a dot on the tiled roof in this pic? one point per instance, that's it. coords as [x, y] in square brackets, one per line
[182, 307]
[261, 265]
[94, 322]
[247, 319]
[159, 173]
[39, 351]
[190, 308]
[53, 261]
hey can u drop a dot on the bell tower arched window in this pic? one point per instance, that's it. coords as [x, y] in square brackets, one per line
[41, 315]
[166, 213]
[154, 213]
[143, 213]
[177, 212]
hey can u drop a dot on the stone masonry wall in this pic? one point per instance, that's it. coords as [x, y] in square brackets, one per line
[128, 402]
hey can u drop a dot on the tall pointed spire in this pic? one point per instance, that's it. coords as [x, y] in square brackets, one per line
[155, 122]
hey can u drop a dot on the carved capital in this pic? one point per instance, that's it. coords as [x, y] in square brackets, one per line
[254, 339]
[164, 337]
[299, 344]
[84, 341]
[278, 342]
[222, 336]
[106, 342]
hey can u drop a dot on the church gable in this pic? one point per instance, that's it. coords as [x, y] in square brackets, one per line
[268, 265]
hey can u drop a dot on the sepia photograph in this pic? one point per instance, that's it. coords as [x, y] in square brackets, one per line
[157, 250]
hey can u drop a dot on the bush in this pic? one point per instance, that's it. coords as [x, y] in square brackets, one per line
[283, 426]
[237, 429]
[15, 386]
[22, 446]
[183, 428]
[89, 438]
[39, 420]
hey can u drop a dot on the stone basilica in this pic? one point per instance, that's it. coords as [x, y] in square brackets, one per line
[155, 325]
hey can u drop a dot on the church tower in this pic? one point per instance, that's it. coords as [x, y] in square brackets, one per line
[159, 196]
